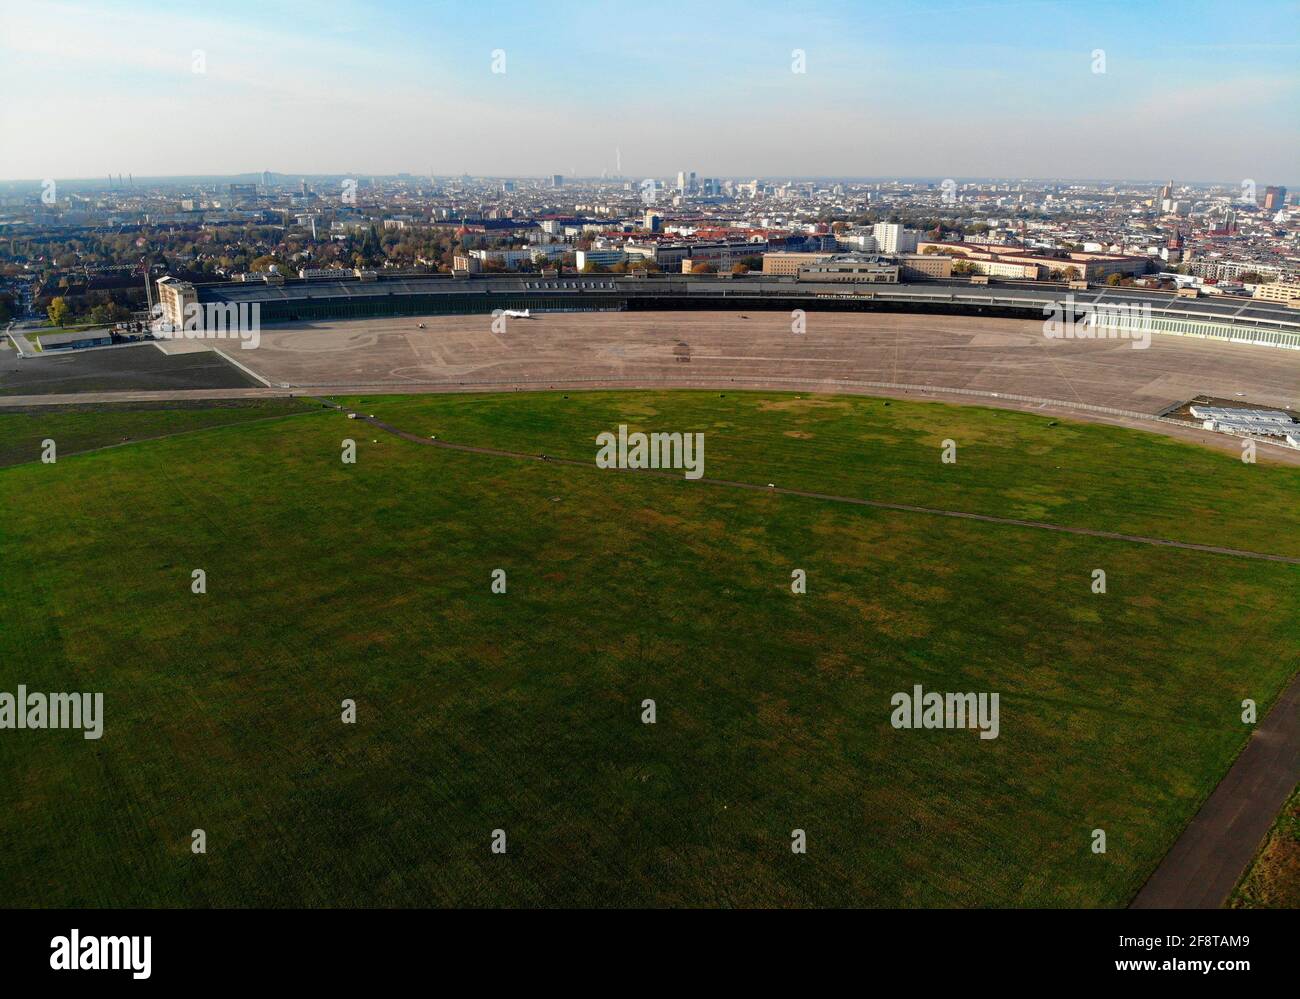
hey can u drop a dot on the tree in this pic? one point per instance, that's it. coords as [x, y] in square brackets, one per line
[109, 312]
[265, 262]
[58, 311]
[1115, 280]
[370, 246]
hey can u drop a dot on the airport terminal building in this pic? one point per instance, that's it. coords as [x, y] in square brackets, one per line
[830, 290]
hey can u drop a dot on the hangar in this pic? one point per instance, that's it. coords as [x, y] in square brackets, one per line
[1261, 323]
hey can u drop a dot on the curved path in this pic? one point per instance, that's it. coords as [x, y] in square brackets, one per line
[834, 350]
[1005, 363]
[1001, 363]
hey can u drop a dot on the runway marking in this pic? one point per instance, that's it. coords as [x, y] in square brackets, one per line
[1087, 532]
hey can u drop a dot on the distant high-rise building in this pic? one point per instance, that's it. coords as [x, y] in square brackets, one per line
[557, 180]
[266, 178]
[681, 181]
[893, 238]
[1167, 192]
[1274, 198]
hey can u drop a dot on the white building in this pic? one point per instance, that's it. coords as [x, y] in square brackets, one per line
[893, 238]
[862, 242]
[507, 258]
[604, 258]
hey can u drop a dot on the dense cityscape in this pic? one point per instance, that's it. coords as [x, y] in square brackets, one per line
[77, 252]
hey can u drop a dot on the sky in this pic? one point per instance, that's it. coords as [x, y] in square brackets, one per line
[1191, 90]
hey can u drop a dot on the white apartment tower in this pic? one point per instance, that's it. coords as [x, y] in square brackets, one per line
[893, 238]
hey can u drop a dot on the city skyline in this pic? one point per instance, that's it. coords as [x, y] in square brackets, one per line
[117, 181]
[908, 90]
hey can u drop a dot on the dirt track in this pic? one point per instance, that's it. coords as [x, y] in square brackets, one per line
[998, 355]
[838, 352]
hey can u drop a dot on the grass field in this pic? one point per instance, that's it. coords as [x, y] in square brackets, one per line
[84, 428]
[1273, 881]
[521, 711]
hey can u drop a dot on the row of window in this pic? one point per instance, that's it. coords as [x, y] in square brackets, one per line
[592, 285]
[1222, 331]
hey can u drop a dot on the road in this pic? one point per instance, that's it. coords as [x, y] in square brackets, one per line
[1209, 858]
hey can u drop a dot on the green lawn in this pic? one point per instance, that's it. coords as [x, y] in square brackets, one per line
[85, 428]
[522, 711]
[1008, 464]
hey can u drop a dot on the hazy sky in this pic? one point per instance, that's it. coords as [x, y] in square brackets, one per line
[1191, 90]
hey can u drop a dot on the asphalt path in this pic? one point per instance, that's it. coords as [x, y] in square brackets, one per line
[1209, 858]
